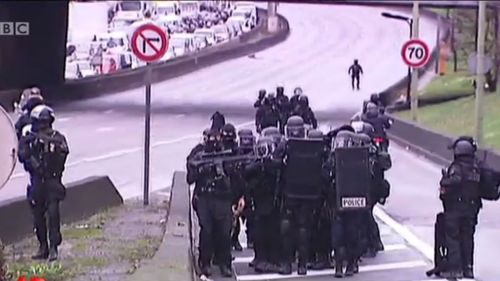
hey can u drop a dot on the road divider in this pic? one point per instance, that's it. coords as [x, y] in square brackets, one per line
[84, 198]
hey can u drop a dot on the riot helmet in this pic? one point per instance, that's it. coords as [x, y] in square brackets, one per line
[206, 132]
[264, 147]
[371, 110]
[297, 91]
[212, 143]
[315, 134]
[280, 91]
[303, 100]
[375, 98]
[343, 138]
[270, 131]
[464, 146]
[228, 134]
[295, 128]
[42, 117]
[246, 139]
[262, 93]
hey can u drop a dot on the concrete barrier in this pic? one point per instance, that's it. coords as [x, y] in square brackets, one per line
[251, 42]
[83, 199]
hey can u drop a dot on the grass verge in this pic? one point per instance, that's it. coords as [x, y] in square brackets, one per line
[458, 83]
[456, 118]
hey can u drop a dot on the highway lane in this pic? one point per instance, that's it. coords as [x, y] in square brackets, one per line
[322, 44]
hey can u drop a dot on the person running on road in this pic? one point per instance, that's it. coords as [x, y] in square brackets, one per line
[355, 71]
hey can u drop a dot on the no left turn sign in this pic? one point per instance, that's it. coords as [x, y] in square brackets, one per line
[415, 53]
[149, 43]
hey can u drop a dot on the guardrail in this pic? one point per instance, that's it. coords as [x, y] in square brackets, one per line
[253, 41]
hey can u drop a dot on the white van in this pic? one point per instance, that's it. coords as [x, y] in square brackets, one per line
[132, 10]
[167, 8]
[182, 43]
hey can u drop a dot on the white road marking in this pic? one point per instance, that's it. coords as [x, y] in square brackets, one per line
[424, 248]
[388, 248]
[179, 115]
[109, 111]
[63, 119]
[105, 129]
[367, 268]
[123, 152]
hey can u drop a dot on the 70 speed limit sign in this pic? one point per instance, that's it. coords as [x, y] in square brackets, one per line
[415, 53]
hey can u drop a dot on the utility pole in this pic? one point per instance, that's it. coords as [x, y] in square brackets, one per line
[414, 73]
[438, 41]
[481, 37]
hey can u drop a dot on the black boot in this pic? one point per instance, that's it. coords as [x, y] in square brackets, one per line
[252, 263]
[469, 272]
[286, 269]
[260, 267]
[237, 246]
[53, 254]
[206, 270]
[302, 269]
[349, 270]
[226, 271]
[42, 253]
[339, 270]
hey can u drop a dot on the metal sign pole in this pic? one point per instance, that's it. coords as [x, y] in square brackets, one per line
[414, 73]
[480, 71]
[147, 134]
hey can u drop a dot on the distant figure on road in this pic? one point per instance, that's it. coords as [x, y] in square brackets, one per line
[218, 121]
[355, 71]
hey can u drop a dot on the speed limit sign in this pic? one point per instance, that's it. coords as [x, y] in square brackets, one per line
[415, 53]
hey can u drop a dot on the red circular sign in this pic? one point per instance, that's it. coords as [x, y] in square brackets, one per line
[415, 53]
[143, 43]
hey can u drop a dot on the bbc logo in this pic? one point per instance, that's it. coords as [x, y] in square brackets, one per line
[9, 28]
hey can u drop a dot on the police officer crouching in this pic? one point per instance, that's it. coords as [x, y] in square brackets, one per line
[463, 186]
[43, 152]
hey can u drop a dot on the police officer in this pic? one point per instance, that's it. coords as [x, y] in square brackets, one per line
[301, 167]
[260, 99]
[246, 141]
[375, 99]
[348, 236]
[218, 120]
[267, 115]
[460, 194]
[305, 112]
[283, 105]
[379, 122]
[355, 70]
[43, 152]
[320, 257]
[30, 98]
[264, 188]
[212, 202]
[294, 100]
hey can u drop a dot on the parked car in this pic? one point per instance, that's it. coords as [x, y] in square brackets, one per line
[248, 12]
[200, 41]
[208, 33]
[167, 8]
[243, 23]
[222, 33]
[132, 10]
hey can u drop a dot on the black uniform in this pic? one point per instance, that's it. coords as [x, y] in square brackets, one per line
[303, 178]
[212, 200]
[218, 121]
[461, 199]
[380, 124]
[355, 71]
[263, 186]
[267, 116]
[260, 99]
[43, 152]
[307, 115]
[284, 109]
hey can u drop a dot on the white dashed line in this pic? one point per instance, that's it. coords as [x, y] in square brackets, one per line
[105, 129]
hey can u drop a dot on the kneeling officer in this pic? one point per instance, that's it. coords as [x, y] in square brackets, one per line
[43, 152]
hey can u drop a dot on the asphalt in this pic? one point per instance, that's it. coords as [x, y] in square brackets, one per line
[106, 134]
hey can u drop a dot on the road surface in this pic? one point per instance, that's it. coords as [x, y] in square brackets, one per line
[105, 134]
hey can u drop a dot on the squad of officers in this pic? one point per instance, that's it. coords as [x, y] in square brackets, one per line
[302, 193]
[43, 152]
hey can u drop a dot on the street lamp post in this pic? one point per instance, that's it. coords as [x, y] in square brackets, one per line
[409, 21]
